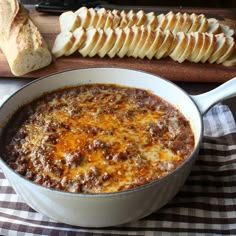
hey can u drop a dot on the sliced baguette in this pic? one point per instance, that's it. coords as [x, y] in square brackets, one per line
[141, 41]
[179, 23]
[171, 17]
[129, 34]
[120, 38]
[102, 17]
[179, 47]
[162, 21]
[124, 19]
[84, 15]
[116, 18]
[109, 20]
[93, 17]
[213, 26]
[132, 18]
[63, 43]
[187, 23]
[141, 18]
[188, 49]
[221, 48]
[195, 19]
[163, 50]
[230, 50]
[137, 35]
[92, 36]
[110, 40]
[198, 42]
[158, 39]
[152, 20]
[203, 49]
[210, 49]
[147, 43]
[100, 42]
[79, 38]
[69, 21]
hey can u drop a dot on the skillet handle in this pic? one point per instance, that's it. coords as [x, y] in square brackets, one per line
[206, 100]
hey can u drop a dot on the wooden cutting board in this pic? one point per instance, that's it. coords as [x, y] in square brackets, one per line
[49, 26]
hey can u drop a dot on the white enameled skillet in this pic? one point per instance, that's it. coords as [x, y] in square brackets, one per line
[109, 209]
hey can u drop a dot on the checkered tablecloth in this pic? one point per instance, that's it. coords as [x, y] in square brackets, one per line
[206, 204]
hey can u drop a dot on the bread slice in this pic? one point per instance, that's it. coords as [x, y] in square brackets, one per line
[195, 19]
[120, 38]
[158, 39]
[84, 15]
[132, 18]
[124, 19]
[168, 40]
[141, 41]
[100, 42]
[171, 17]
[116, 18]
[92, 36]
[162, 21]
[62, 43]
[79, 38]
[129, 34]
[230, 50]
[110, 40]
[213, 26]
[188, 49]
[137, 35]
[141, 18]
[221, 48]
[142, 52]
[198, 42]
[109, 20]
[21, 42]
[93, 17]
[203, 24]
[203, 49]
[152, 20]
[179, 23]
[226, 30]
[178, 49]
[102, 17]
[211, 47]
[187, 23]
[69, 21]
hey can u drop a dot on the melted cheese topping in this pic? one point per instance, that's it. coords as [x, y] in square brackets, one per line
[98, 138]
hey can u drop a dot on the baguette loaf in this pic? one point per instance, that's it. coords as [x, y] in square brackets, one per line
[20, 40]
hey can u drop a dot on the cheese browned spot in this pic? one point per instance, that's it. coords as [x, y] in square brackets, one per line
[97, 138]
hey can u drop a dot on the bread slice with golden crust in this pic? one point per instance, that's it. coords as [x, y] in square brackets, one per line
[102, 17]
[137, 35]
[84, 15]
[198, 42]
[179, 47]
[203, 24]
[203, 48]
[230, 50]
[92, 36]
[179, 23]
[110, 40]
[116, 18]
[162, 21]
[158, 39]
[63, 43]
[220, 49]
[129, 35]
[211, 47]
[171, 17]
[93, 17]
[21, 41]
[79, 38]
[141, 18]
[69, 21]
[120, 38]
[142, 52]
[187, 23]
[163, 50]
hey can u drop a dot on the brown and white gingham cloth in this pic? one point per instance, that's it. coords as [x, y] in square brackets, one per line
[206, 204]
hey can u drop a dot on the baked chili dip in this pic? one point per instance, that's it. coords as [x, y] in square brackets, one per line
[96, 138]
